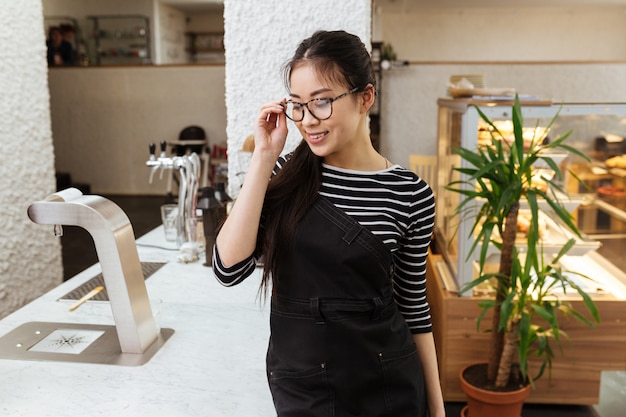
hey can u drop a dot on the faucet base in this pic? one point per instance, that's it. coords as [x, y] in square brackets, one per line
[74, 342]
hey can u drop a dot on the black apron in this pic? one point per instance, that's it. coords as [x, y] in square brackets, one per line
[339, 346]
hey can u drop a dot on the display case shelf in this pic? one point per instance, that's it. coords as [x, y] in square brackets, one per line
[553, 236]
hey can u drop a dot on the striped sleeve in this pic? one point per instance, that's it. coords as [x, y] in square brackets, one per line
[409, 280]
[232, 275]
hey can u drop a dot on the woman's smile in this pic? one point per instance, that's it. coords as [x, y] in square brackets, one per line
[316, 137]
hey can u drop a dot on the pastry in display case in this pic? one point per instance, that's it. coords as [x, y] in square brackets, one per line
[618, 161]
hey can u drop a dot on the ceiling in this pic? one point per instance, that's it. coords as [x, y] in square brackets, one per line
[198, 6]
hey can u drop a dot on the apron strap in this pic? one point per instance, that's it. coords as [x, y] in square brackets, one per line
[352, 233]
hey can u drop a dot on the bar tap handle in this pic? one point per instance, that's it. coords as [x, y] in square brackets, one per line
[163, 147]
[152, 161]
[152, 148]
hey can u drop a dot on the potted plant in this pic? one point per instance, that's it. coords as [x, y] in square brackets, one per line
[499, 178]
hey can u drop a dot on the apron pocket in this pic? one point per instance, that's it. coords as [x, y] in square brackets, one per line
[403, 382]
[301, 393]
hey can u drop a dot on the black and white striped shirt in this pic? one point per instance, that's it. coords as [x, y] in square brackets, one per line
[395, 205]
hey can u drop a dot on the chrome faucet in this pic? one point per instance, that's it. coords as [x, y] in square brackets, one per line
[188, 167]
[115, 245]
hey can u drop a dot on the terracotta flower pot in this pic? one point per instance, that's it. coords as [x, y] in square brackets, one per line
[485, 403]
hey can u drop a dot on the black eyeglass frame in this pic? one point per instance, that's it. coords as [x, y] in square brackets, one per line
[329, 100]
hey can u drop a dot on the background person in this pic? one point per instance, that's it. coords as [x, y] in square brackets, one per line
[60, 51]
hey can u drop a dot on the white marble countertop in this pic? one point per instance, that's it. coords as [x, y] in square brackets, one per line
[213, 365]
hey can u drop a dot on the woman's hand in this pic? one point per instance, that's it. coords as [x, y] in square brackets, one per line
[270, 130]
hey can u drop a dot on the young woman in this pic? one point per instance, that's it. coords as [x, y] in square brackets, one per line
[344, 237]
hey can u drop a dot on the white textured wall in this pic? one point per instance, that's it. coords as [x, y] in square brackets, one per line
[30, 256]
[259, 37]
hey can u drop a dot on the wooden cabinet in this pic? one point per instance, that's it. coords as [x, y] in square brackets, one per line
[576, 371]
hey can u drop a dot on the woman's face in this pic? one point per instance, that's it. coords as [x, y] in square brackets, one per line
[336, 134]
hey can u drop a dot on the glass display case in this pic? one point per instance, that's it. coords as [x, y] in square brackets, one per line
[121, 39]
[595, 190]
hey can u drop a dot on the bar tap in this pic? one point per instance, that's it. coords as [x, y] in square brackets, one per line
[135, 337]
[162, 161]
[188, 167]
[115, 245]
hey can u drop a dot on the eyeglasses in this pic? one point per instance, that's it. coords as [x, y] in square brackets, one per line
[320, 108]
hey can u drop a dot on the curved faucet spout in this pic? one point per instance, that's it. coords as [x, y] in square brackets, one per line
[115, 245]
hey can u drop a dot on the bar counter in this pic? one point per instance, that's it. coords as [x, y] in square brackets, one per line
[213, 364]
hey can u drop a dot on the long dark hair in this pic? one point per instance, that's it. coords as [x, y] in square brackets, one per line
[336, 56]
